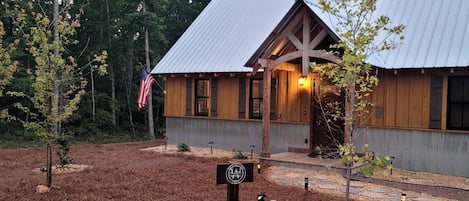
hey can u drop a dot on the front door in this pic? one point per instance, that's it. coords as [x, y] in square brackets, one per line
[327, 129]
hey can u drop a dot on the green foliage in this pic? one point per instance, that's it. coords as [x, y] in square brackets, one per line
[373, 162]
[64, 142]
[7, 68]
[183, 147]
[239, 154]
[361, 35]
[86, 28]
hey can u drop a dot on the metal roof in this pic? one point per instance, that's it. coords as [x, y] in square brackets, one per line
[228, 32]
[224, 36]
[436, 33]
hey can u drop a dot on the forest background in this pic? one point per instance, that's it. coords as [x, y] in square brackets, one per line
[108, 110]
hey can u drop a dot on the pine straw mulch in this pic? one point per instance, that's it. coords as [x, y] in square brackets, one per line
[124, 172]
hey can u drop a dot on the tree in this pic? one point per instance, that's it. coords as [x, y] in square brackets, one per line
[362, 34]
[57, 80]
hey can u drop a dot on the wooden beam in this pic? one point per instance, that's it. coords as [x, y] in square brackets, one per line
[293, 39]
[287, 67]
[321, 54]
[315, 42]
[306, 40]
[266, 114]
[280, 40]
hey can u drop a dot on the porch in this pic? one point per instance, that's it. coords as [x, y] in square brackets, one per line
[303, 161]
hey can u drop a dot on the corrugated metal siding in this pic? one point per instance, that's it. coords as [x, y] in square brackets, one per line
[436, 34]
[224, 36]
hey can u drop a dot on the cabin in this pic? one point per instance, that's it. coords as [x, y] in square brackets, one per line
[239, 79]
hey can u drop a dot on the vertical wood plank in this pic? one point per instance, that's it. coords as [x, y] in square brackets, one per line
[416, 100]
[377, 113]
[426, 101]
[390, 100]
[402, 103]
[282, 95]
[444, 102]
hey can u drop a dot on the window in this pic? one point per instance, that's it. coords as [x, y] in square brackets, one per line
[458, 103]
[255, 99]
[202, 97]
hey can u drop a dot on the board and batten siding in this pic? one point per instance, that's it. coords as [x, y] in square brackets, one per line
[292, 103]
[401, 100]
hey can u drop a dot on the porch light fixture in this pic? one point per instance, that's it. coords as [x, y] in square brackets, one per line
[302, 80]
[258, 168]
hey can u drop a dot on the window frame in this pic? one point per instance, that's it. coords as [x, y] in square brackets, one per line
[462, 104]
[252, 114]
[205, 97]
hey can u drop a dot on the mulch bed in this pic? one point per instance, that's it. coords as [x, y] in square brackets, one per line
[123, 172]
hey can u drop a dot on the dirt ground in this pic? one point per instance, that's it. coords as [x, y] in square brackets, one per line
[124, 172]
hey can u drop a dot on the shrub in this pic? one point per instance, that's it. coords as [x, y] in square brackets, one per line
[183, 147]
[64, 142]
[239, 154]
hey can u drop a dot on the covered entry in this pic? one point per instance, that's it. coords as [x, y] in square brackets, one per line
[285, 57]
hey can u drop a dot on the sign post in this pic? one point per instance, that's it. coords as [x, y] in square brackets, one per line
[233, 174]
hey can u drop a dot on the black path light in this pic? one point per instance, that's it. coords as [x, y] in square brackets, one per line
[165, 143]
[261, 196]
[252, 149]
[306, 183]
[403, 197]
[211, 146]
[392, 158]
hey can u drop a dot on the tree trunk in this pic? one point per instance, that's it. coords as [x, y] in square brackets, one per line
[92, 94]
[54, 99]
[111, 69]
[151, 127]
[349, 110]
[49, 166]
[130, 71]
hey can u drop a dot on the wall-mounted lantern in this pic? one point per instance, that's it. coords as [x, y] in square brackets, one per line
[302, 80]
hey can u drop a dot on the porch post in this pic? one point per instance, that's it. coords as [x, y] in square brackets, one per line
[266, 113]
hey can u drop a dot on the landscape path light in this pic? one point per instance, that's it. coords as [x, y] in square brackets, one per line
[211, 146]
[306, 183]
[403, 197]
[261, 196]
[252, 149]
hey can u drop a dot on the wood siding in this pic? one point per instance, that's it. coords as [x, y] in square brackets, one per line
[401, 99]
[175, 97]
[293, 101]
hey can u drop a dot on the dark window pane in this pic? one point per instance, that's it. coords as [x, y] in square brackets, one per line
[257, 108]
[255, 99]
[458, 103]
[202, 97]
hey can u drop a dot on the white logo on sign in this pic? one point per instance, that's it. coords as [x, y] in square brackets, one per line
[235, 173]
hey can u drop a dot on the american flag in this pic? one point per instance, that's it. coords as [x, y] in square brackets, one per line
[145, 88]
